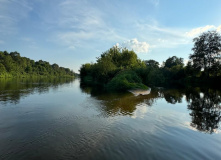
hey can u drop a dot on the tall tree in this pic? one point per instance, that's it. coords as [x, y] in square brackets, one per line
[206, 51]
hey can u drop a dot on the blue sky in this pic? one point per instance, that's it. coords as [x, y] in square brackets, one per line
[73, 32]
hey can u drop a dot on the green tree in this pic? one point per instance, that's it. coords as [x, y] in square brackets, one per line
[173, 70]
[108, 65]
[155, 77]
[129, 59]
[151, 63]
[9, 63]
[206, 51]
[2, 69]
[12, 64]
[173, 61]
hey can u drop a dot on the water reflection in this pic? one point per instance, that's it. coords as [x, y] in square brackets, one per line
[204, 105]
[12, 90]
[173, 96]
[205, 109]
[112, 104]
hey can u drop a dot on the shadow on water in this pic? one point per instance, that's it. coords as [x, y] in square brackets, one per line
[12, 90]
[203, 104]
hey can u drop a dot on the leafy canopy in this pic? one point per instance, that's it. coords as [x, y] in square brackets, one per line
[206, 50]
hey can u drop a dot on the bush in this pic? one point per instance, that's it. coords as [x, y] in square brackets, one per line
[126, 80]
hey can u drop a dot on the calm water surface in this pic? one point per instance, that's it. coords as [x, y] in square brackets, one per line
[59, 119]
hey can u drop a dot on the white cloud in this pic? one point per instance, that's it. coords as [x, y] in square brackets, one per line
[134, 44]
[196, 31]
[218, 29]
[161, 37]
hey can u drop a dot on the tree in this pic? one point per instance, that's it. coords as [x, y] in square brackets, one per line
[2, 69]
[151, 63]
[13, 64]
[173, 61]
[129, 59]
[206, 51]
[14, 54]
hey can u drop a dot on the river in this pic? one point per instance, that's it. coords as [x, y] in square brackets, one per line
[60, 119]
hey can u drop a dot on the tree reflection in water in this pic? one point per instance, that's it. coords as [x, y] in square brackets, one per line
[205, 109]
[204, 105]
[12, 90]
[112, 103]
[173, 96]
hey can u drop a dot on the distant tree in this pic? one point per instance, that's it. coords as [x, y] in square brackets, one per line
[151, 63]
[173, 70]
[14, 54]
[206, 51]
[173, 61]
[12, 64]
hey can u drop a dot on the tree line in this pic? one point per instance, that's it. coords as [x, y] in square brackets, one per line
[13, 65]
[121, 69]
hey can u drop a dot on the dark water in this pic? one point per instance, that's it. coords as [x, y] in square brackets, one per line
[58, 119]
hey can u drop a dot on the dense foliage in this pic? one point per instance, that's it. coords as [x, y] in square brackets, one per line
[207, 56]
[110, 63]
[120, 69]
[13, 65]
[126, 80]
